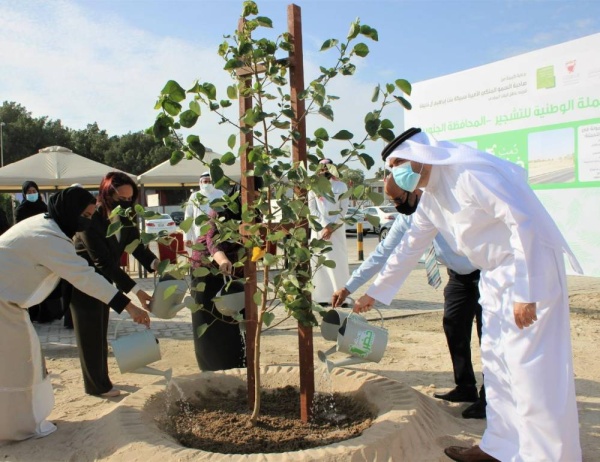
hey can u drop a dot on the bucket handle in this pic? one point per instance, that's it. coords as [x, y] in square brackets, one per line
[376, 309]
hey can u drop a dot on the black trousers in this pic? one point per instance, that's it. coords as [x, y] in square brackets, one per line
[222, 345]
[90, 321]
[461, 306]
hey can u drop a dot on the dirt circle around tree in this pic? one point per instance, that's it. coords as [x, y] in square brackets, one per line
[404, 424]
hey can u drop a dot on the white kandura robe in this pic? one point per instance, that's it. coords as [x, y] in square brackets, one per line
[328, 280]
[485, 210]
[35, 254]
[194, 208]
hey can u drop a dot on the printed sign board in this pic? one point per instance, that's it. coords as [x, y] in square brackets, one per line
[540, 110]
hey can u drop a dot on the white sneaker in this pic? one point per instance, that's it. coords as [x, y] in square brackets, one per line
[112, 393]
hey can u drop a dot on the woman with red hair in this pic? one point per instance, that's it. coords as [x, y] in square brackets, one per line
[90, 316]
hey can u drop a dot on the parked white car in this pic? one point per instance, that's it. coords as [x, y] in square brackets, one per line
[162, 223]
[356, 216]
[386, 213]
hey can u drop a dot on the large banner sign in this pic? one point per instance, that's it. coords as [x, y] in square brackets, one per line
[540, 110]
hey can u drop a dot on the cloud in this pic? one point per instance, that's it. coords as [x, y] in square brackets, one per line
[61, 61]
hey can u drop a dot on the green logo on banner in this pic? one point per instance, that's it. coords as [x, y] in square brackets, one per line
[545, 77]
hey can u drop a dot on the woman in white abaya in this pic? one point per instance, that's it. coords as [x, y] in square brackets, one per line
[36, 253]
[329, 215]
[484, 209]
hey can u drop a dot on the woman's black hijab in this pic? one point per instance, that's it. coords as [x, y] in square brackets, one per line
[28, 209]
[66, 207]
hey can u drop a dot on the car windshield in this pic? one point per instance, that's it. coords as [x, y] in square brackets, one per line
[388, 210]
[164, 217]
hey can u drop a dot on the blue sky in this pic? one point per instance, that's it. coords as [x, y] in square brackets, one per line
[85, 61]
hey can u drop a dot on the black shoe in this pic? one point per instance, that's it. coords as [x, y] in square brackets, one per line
[475, 410]
[459, 395]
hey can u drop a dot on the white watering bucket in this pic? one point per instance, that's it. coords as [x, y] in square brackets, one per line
[165, 306]
[363, 341]
[136, 350]
[231, 299]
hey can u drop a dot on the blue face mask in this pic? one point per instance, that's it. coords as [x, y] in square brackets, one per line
[405, 178]
[32, 197]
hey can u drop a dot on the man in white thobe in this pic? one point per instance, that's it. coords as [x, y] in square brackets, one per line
[195, 206]
[329, 215]
[485, 210]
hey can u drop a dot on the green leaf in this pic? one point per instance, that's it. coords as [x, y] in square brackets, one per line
[162, 266]
[387, 123]
[201, 330]
[228, 158]
[225, 103]
[129, 248]
[257, 297]
[200, 272]
[209, 90]
[321, 134]
[195, 107]
[404, 85]
[361, 49]
[326, 112]
[113, 228]
[263, 21]
[232, 92]
[366, 160]
[375, 95]
[188, 118]
[404, 102]
[233, 64]
[389, 87]
[354, 30]
[371, 126]
[268, 318]
[375, 197]
[186, 224]
[329, 263]
[174, 91]
[231, 141]
[358, 191]
[386, 134]
[170, 291]
[196, 146]
[369, 32]
[282, 125]
[343, 135]
[327, 44]
[171, 107]
[373, 219]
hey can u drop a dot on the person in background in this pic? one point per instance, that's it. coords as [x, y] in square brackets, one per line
[35, 254]
[32, 203]
[485, 209]
[195, 206]
[222, 345]
[90, 316]
[50, 308]
[330, 215]
[461, 299]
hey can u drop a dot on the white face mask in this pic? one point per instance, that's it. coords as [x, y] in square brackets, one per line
[206, 188]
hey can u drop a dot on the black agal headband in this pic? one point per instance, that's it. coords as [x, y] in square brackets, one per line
[398, 141]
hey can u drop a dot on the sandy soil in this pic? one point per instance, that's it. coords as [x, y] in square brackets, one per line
[417, 356]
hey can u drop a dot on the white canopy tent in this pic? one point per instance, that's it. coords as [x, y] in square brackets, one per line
[52, 168]
[185, 173]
